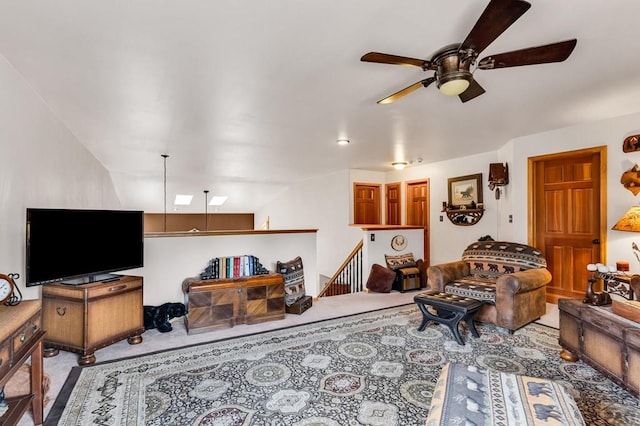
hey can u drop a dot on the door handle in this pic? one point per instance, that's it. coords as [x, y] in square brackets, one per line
[596, 241]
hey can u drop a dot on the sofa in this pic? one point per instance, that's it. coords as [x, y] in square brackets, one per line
[509, 277]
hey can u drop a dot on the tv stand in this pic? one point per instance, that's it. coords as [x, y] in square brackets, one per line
[86, 317]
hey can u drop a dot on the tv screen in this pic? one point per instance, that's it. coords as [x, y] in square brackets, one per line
[63, 244]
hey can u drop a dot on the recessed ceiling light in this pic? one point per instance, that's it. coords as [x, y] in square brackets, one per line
[183, 200]
[218, 200]
[343, 141]
[399, 165]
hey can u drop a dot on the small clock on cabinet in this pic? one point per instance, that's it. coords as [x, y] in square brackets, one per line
[7, 287]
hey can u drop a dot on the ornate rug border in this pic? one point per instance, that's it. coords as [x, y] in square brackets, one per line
[60, 403]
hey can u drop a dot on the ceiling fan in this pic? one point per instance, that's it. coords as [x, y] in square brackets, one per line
[453, 63]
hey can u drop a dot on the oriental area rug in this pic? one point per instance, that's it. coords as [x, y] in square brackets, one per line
[366, 369]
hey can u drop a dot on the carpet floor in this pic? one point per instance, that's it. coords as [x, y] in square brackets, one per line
[373, 369]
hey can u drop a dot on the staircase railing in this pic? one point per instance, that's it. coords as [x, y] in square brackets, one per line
[348, 278]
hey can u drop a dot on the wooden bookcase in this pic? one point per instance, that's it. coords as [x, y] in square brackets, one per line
[84, 318]
[21, 337]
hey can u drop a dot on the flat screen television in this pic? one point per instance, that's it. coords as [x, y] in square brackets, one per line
[81, 246]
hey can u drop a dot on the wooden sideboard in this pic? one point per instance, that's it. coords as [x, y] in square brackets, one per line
[21, 337]
[606, 341]
[213, 304]
[84, 318]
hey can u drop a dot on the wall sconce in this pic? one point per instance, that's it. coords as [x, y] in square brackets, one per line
[498, 176]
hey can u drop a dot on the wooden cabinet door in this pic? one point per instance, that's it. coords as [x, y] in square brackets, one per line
[392, 191]
[366, 200]
[567, 217]
[418, 210]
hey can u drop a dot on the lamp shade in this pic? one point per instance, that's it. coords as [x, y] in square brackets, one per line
[630, 221]
[454, 87]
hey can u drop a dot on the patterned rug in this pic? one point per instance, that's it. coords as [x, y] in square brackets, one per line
[365, 369]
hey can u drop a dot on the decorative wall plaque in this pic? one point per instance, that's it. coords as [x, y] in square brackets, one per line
[631, 143]
[631, 179]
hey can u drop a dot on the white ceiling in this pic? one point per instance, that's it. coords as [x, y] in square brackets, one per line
[248, 96]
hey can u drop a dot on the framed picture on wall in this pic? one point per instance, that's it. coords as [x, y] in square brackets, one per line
[465, 190]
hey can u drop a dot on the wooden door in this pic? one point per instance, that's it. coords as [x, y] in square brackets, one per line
[392, 191]
[366, 204]
[417, 193]
[568, 216]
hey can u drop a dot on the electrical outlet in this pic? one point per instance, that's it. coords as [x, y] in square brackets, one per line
[373, 237]
[441, 218]
[510, 218]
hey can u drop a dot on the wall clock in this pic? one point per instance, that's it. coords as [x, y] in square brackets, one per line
[399, 243]
[7, 287]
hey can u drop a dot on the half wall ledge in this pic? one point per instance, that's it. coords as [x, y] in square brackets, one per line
[239, 232]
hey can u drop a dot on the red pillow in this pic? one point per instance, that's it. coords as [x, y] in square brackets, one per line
[380, 279]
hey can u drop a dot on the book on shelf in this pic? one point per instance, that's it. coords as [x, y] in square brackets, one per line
[227, 267]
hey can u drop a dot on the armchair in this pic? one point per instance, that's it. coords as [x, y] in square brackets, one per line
[510, 277]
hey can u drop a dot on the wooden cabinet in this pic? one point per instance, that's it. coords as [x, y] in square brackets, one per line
[87, 317]
[213, 304]
[606, 341]
[21, 337]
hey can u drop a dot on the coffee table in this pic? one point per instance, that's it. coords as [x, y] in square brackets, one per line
[450, 311]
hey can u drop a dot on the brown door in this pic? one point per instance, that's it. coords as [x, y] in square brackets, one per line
[418, 210]
[366, 204]
[392, 191]
[568, 216]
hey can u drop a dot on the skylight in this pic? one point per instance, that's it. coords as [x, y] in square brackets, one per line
[218, 200]
[183, 200]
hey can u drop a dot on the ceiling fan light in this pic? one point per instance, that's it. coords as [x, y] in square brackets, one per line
[454, 87]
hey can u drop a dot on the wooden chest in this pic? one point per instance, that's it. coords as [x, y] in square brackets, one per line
[606, 341]
[213, 304]
[407, 279]
[300, 305]
[84, 318]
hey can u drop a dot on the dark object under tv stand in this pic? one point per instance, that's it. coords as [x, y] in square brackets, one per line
[83, 318]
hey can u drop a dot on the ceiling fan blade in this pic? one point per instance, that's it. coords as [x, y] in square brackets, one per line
[496, 18]
[415, 86]
[556, 52]
[384, 58]
[473, 91]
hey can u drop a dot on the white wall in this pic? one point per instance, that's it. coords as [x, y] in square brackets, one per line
[447, 241]
[610, 133]
[43, 165]
[374, 251]
[320, 203]
[168, 260]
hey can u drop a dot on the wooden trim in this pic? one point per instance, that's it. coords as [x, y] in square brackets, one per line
[220, 233]
[531, 161]
[386, 227]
